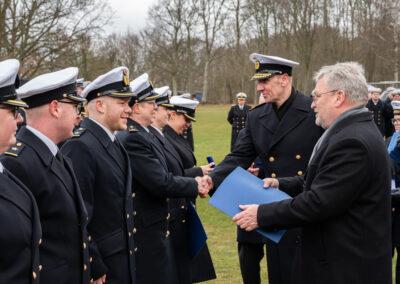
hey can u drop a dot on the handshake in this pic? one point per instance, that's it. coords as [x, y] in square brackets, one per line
[204, 185]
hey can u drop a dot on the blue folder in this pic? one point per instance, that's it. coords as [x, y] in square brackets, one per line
[197, 234]
[242, 188]
[393, 150]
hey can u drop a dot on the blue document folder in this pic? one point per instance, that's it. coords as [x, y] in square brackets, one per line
[197, 234]
[241, 188]
[393, 150]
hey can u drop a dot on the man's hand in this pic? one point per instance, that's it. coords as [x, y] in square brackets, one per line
[248, 218]
[253, 170]
[204, 185]
[271, 182]
[207, 168]
[101, 280]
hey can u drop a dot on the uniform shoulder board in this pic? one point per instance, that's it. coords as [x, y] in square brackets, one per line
[132, 128]
[254, 107]
[78, 132]
[15, 149]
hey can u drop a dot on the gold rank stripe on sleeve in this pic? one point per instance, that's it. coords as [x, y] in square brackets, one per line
[15, 150]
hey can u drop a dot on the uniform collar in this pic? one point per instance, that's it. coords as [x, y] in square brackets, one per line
[47, 141]
[158, 130]
[111, 135]
[1, 167]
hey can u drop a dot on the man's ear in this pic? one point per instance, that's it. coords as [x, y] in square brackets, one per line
[100, 105]
[340, 98]
[55, 109]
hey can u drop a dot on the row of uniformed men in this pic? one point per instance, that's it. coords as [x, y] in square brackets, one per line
[382, 111]
[111, 204]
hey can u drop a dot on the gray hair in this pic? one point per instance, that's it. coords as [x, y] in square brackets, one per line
[348, 77]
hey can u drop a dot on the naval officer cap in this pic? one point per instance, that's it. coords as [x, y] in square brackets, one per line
[114, 83]
[79, 82]
[372, 89]
[267, 66]
[396, 107]
[9, 81]
[143, 88]
[390, 89]
[45, 88]
[241, 96]
[396, 92]
[185, 106]
[163, 99]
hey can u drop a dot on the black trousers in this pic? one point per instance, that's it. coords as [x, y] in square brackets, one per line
[250, 256]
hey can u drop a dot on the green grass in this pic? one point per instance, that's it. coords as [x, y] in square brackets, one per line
[212, 134]
[212, 137]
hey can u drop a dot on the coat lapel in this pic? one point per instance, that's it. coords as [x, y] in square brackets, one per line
[104, 140]
[44, 154]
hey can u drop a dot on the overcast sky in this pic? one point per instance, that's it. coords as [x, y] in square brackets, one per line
[130, 14]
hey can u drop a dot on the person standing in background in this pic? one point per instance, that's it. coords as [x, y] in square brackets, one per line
[237, 116]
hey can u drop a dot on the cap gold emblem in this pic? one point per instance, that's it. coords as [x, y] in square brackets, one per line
[257, 65]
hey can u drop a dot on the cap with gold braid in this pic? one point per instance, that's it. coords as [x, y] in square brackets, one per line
[9, 81]
[45, 88]
[163, 99]
[144, 89]
[267, 66]
[114, 83]
[241, 96]
[396, 107]
[185, 106]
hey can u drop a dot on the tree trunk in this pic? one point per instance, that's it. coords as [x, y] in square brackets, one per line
[205, 81]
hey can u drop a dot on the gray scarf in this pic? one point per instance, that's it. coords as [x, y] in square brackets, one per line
[344, 115]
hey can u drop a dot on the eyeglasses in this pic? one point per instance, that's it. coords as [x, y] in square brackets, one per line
[394, 121]
[13, 109]
[315, 96]
[78, 106]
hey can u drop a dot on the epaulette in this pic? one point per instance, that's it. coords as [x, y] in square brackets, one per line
[254, 107]
[15, 149]
[132, 128]
[78, 132]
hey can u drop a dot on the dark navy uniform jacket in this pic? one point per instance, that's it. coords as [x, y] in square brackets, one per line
[178, 209]
[185, 152]
[237, 118]
[284, 147]
[153, 186]
[202, 267]
[103, 172]
[20, 232]
[379, 113]
[63, 254]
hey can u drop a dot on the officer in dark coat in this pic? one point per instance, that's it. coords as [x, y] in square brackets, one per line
[153, 186]
[377, 109]
[177, 206]
[342, 202]
[395, 169]
[282, 133]
[237, 117]
[103, 171]
[182, 113]
[37, 162]
[19, 217]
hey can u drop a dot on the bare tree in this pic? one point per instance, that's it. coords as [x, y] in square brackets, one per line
[212, 16]
[38, 31]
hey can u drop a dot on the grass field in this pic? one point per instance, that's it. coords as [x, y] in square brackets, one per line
[212, 134]
[212, 137]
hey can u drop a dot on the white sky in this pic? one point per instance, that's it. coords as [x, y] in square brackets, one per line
[130, 14]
